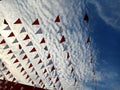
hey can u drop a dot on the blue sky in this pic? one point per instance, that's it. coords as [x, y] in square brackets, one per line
[106, 37]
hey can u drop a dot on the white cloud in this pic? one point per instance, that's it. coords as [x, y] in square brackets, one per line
[108, 10]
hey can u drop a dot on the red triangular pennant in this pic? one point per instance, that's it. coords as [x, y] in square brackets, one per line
[45, 71]
[42, 41]
[48, 56]
[25, 57]
[57, 79]
[32, 82]
[26, 37]
[57, 19]
[53, 68]
[62, 39]
[16, 61]
[22, 69]
[10, 51]
[18, 21]
[3, 41]
[88, 40]
[30, 65]
[40, 61]
[13, 79]
[8, 73]
[20, 46]
[11, 34]
[3, 64]
[36, 22]
[27, 76]
[72, 70]
[40, 81]
[33, 50]
[5, 22]
[68, 55]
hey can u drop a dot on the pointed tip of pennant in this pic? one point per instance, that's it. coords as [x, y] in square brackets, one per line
[30, 65]
[11, 34]
[16, 61]
[40, 61]
[5, 22]
[22, 69]
[88, 40]
[20, 47]
[68, 55]
[62, 39]
[3, 41]
[48, 56]
[44, 71]
[25, 57]
[18, 21]
[42, 41]
[33, 50]
[26, 37]
[57, 79]
[10, 51]
[36, 22]
[53, 68]
[57, 19]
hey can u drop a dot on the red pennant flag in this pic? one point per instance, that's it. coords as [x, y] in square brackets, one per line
[48, 56]
[42, 41]
[61, 88]
[22, 69]
[20, 46]
[36, 73]
[43, 86]
[88, 40]
[40, 81]
[36, 22]
[40, 61]
[16, 61]
[32, 82]
[18, 21]
[53, 68]
[33, 50]
[27, 76]
[5, 22]
[10, 51]
[8, 73]
[30, 65]
[62, 39]
[3, 64]
[57, 19]
[45, 71]
[72, 70]
[11, 34]
[13, 79]
[49, 78]
[26, 37]
[68, 55]
[25, 57]
[75, 81]
[57, 79]
[3, 41]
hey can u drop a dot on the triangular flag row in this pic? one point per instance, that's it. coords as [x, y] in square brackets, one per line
[36, 22]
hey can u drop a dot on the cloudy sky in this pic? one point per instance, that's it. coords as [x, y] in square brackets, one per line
[105, 29]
